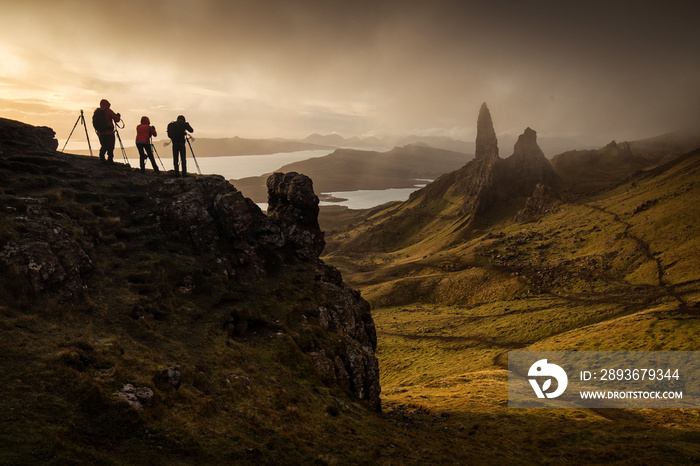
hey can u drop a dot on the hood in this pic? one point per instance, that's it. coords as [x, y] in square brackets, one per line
[104, 104]
[145, 120]
[181, 119]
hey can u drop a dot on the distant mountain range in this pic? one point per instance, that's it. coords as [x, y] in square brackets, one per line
[218, 147]
[438, 142]
[241, 146]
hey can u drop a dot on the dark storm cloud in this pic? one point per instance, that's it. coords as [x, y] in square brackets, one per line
[592, 70]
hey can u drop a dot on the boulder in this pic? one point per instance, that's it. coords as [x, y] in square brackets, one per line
[137, 397]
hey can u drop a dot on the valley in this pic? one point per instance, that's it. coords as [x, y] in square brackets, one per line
[453, 290]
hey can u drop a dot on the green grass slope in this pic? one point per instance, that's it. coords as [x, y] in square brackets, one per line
[619, 270]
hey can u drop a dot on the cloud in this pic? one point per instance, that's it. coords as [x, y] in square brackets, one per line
[593, 70]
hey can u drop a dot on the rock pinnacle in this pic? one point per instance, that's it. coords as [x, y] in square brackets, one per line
[486, 142]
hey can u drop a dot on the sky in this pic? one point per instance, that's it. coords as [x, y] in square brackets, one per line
[590, 71]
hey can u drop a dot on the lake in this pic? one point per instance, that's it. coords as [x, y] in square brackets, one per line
[368, 198]
[242, 166]
[232, 167]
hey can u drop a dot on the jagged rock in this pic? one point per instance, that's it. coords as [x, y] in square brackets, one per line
[488, 180]
[291, 201]
[527, 167]
[544, 201]
[356, 368]
[137, 397]
[486, 141]
[45, 254]
[214, 217]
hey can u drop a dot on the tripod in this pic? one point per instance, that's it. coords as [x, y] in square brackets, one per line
[154, 150]
[116, 131]
[81, 120]
[195, 158]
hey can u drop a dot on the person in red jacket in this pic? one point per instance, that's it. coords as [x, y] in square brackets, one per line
[144, 131]
[105, 129]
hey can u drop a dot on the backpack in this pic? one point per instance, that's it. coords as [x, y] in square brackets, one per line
[99, 120]
[172, 130]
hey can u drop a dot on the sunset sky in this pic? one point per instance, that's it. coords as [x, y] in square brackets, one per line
[591, 71]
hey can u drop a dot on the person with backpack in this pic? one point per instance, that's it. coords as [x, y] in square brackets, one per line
[177, 131]
[103, 121]
[144, 131]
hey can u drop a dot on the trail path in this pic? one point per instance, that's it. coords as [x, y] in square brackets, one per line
[644, 246]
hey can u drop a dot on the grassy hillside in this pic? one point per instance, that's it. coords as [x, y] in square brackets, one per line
[619, 270]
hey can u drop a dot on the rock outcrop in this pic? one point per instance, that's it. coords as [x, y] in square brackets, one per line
[489, 179]
[291, 201]
[137, 397]
[544, 201]
[527, 167]
[53, 243]
[486, 141]
[213, 217]
[27, 138]
[45, 253]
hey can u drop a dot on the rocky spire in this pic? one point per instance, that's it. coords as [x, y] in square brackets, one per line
[528, 166]
[526, 146]
[486, 142]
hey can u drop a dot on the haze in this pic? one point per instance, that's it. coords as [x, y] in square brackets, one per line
[587, 71]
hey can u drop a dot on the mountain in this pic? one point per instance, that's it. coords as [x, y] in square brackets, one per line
[484, 186]
[329, 139]
[520, 254]
[350, 170]
[438, 142]
[209, 147]
[592, 170]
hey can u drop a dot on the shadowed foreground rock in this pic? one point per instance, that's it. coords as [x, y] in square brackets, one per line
[201, 218]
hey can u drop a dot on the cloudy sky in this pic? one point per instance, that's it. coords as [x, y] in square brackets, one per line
[592, 71]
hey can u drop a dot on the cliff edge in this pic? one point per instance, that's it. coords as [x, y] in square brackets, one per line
[144, 276]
